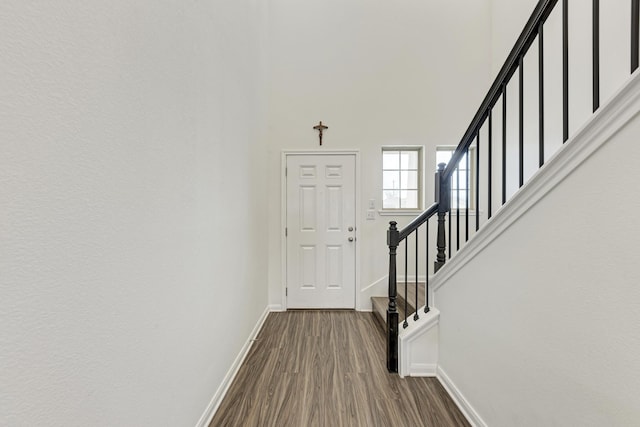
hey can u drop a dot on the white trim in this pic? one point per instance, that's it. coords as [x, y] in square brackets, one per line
[377, 288]
[218, 396]
[411, 279]
[400, 212]
[426, 321]
[406, 338]
[283, 213]
[276, 308]
[422, 195]
[423, 369]
[608, 120]
[376, 283]
[463, 404]
[416, 212]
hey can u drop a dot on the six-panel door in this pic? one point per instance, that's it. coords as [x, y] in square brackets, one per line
[320, 231]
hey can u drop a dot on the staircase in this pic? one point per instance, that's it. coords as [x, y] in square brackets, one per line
[409, 316]
[380, 304]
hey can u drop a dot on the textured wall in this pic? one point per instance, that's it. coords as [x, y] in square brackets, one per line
[131, 180]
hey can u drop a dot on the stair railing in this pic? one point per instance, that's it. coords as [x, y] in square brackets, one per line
[448, 176]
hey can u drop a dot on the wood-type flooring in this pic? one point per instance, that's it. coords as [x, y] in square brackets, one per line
[327, 368]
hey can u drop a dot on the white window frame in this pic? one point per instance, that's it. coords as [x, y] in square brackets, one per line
[471, 193]
[405, 211]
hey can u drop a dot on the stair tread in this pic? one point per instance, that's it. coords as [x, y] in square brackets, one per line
[411, 299]
[380, 305]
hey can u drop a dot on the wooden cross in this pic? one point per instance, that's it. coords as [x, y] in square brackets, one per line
[320, 127]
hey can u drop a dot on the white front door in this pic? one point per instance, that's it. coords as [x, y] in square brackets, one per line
[321, 245]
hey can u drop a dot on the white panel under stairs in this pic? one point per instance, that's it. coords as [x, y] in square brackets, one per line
[418, 345]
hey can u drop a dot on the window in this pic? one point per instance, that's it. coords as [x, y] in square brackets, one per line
[460, 190]
[401, 177]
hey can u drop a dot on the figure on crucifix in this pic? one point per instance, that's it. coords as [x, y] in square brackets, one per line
[320, 127]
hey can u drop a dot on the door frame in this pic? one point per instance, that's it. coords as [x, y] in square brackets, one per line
[283, 214]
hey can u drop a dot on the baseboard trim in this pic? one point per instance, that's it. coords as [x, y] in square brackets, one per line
[463, 404]
[423, 370]
[276, 308]
[375, 283]
[214, 404]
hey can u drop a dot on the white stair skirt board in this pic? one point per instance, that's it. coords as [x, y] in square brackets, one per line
[377, 288]
[463, 404]
[213, 406]
[418, 345]
[623, 106]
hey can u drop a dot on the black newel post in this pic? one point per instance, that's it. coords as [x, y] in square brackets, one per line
[393, 239]
[443, 196]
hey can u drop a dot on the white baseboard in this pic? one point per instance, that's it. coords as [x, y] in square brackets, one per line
[276, 308]
[463, 404]
[423, 370]
[208, 414]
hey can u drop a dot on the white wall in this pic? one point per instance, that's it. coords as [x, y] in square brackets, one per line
[541, 326]
[132, 182]
[377, 73]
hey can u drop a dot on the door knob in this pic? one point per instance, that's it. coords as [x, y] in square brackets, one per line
[351, 239]
[350, 228]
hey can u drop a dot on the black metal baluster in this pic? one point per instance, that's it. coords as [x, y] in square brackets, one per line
[466, 210]
[565, 70]
[596, 54]
[406, 275]
[635, 9]
[426, 277]
[540, 96]
[478, 181]
[450, 235]
[393, 240]
[504, 143]
[521, 123]
[415, 316]
[489, 160]
[458, 208]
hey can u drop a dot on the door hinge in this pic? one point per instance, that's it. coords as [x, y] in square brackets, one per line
[286, 171]
[286, 232]
[286, 292]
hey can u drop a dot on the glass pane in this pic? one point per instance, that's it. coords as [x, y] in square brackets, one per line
[390, 199]
[460, 202]
[409, 199]
[409, 160]
[390, 160]
[463, 180]
[409, 180]
[391, 180]
[443, 156]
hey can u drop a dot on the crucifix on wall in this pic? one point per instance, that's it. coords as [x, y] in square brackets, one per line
[320, 127]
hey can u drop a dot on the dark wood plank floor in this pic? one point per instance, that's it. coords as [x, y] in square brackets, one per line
[327, 368]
